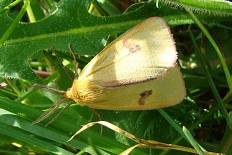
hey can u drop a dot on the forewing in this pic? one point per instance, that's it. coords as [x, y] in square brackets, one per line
[143, 53]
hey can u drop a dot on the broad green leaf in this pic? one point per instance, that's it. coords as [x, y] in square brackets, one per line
[70, 24]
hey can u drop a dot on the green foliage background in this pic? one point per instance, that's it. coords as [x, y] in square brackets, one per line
[36, 35]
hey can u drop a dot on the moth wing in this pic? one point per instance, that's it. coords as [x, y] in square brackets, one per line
[143, 53]
[158, 93]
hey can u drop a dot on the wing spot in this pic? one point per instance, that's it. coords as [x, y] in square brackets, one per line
[132, 47]
[143, 96]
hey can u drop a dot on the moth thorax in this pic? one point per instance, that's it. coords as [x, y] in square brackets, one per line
[83, 92]
[71, 94]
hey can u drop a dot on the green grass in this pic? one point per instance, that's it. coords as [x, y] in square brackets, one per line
[37, 34]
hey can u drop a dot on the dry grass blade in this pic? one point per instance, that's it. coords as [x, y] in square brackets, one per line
[130, 149]
[141, 142]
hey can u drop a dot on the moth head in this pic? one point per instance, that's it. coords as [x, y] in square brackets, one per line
[68, 93]
[71, 93]
[77, 92]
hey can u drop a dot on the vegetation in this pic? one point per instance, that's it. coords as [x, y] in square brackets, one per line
[34, 49]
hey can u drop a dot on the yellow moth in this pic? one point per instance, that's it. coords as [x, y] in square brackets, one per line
[137, 71]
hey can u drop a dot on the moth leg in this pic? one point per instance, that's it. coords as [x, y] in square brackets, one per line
[50, 111]
[58, 114]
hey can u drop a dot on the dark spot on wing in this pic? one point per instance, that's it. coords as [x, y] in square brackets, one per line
[143, 96]
[132, 47]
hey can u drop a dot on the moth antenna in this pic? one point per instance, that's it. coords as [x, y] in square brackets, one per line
[58, 114]
[50, 111]
[49, 88]
[75, 60]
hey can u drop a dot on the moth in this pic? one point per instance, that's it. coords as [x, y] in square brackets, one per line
[137, 71]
